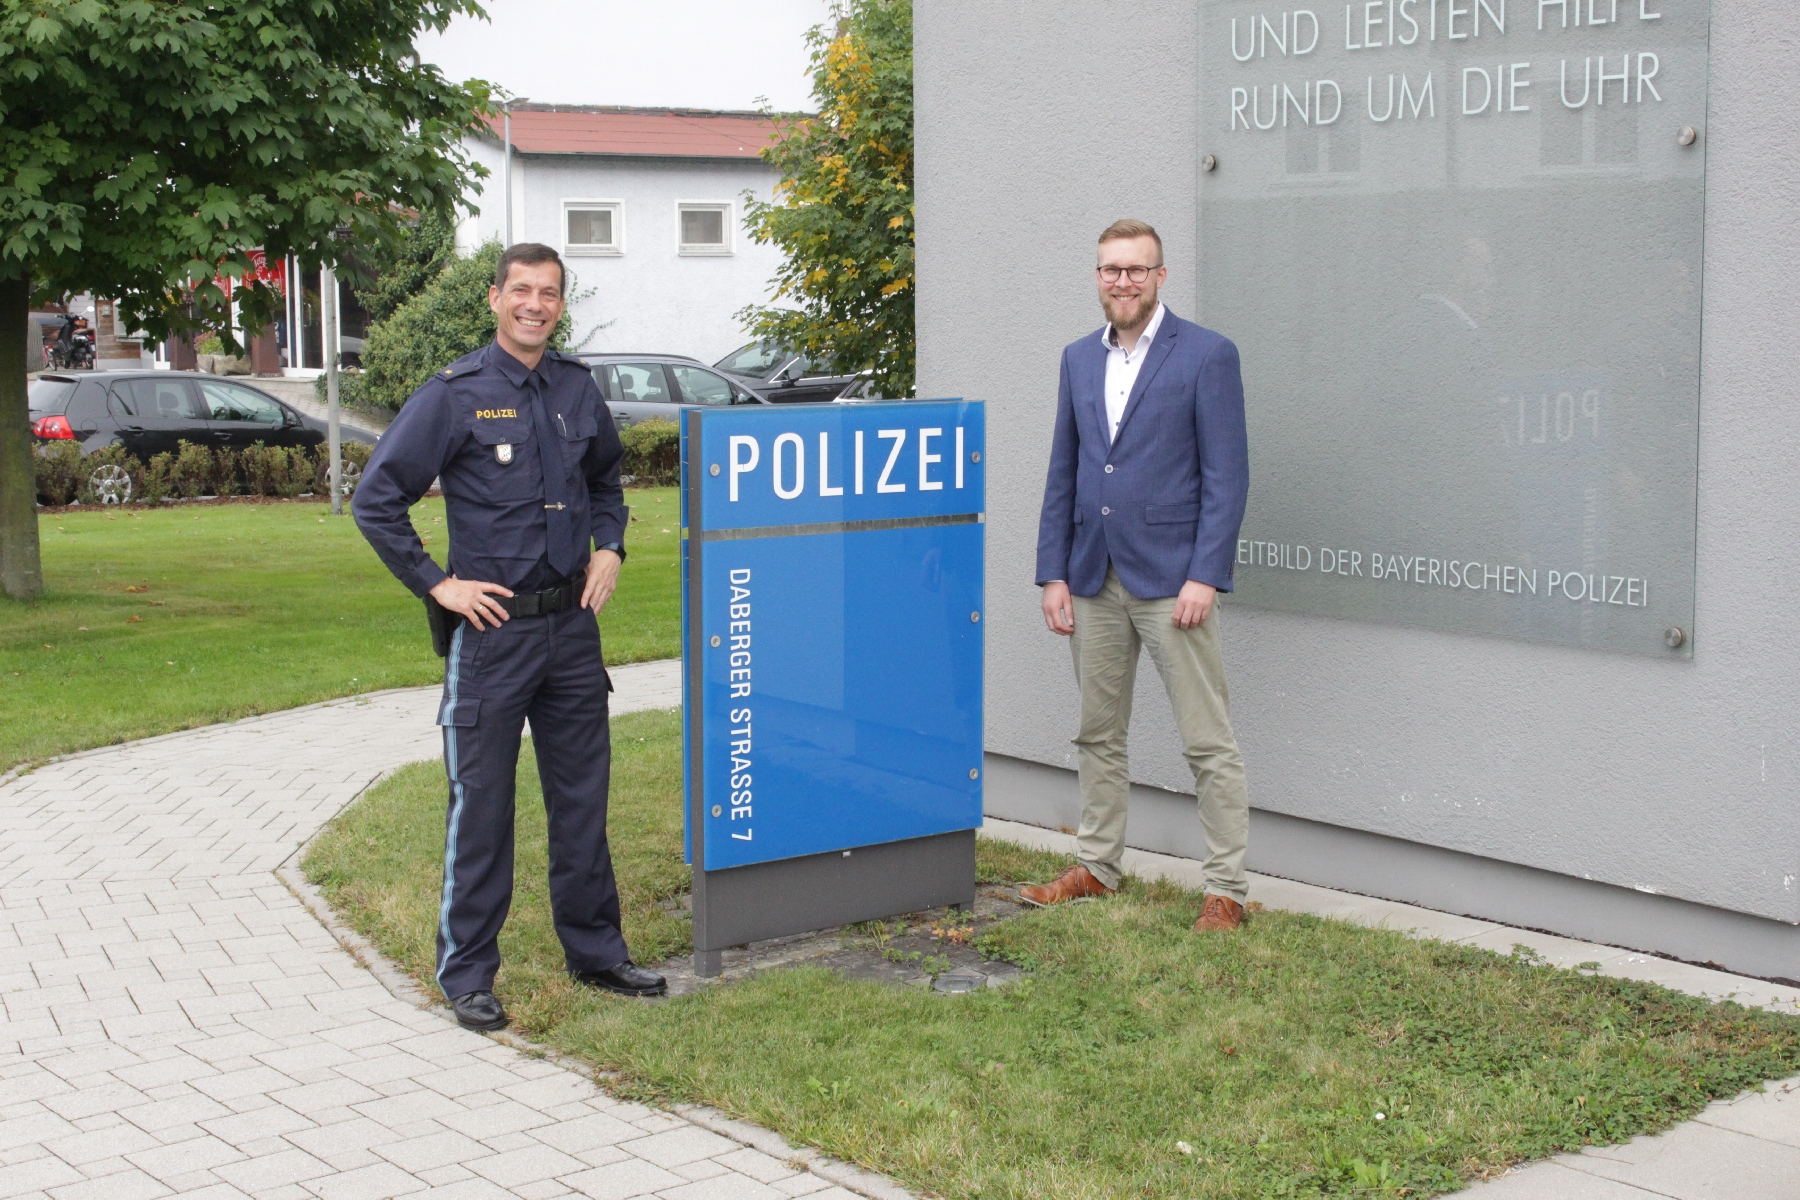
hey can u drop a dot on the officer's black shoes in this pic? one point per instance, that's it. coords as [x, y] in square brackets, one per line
[479, 1010]
[626, 979]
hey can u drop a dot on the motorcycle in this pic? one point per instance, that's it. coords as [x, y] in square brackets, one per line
[74, 347]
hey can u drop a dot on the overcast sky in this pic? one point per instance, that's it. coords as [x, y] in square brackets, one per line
[682, 53]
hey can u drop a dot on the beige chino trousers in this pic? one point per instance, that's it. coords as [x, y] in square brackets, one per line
[1110, 629]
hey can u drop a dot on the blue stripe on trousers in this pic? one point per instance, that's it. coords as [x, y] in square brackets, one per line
[452, 679]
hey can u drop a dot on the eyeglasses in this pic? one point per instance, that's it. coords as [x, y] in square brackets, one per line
[1135, 274]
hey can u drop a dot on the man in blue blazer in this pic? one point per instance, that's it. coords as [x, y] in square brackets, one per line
[1149, 470]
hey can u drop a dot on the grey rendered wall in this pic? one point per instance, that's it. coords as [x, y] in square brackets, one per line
[1037, 126]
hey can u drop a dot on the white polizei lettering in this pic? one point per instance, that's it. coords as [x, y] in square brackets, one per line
[926, 482]
[825, 488]
[742, 466]
[859, 470]
[898, 437]
[789, 439]
[959, 456]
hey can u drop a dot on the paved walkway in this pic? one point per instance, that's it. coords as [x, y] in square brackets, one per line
[177, 1020]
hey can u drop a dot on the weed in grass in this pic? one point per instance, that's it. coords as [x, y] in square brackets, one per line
[1297, 1058]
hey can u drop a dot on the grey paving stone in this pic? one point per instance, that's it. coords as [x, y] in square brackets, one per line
[623, 1180]
[680, 1146]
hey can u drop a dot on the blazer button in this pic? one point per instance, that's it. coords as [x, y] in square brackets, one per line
[1109, 468]
[1106, 512]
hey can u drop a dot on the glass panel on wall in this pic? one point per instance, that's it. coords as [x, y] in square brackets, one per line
[1458, 243]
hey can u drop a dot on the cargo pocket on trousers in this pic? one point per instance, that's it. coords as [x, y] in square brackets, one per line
[459, 711]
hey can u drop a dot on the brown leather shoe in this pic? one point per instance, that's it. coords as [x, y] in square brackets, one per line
[1219, 914]
[1076, 883]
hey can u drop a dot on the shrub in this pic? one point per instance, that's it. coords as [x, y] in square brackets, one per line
[265, 469]
[222, 478]
[159, 478]
[652, 452]
[58, 469]
[191, 471]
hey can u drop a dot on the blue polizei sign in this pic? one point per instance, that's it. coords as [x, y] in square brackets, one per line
[832, 615]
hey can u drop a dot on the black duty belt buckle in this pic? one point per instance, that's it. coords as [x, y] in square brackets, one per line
[540, 604]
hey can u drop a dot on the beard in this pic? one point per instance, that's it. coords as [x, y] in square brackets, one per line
[1129, 312]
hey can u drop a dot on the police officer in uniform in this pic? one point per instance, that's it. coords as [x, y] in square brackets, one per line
[528, 460]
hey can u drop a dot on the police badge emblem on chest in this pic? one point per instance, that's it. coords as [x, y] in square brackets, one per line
[503, 452]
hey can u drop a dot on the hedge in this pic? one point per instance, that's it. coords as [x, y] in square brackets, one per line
[195, 470]
[652, 458]
[652, 453]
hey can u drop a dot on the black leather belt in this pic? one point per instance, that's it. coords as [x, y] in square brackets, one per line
[541, 604]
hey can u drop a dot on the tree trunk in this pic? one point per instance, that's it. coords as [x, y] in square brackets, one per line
[21, 575]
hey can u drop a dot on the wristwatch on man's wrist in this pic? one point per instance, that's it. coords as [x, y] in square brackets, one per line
[617, 548]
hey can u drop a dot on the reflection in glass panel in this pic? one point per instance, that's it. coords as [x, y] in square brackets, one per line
[1461, 259]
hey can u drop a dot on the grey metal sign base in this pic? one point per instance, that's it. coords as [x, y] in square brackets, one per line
[774, 899]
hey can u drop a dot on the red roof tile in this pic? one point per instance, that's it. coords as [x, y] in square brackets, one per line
[659, 132]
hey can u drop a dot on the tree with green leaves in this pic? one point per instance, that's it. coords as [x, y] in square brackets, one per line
[843, 209]
[147, 145]
[389, 276]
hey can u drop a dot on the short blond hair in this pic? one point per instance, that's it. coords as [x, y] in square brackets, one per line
[1131, 227]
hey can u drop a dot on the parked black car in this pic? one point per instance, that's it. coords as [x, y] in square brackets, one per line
[647, 387]
[782, 375]
[149, 412]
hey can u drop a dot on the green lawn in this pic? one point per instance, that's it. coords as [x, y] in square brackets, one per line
[1300, 1057]
[248, 608]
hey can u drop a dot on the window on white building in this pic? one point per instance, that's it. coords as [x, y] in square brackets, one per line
[593, 227]
[705, 227]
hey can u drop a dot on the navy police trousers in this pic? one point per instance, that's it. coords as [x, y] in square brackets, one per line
[548, 669]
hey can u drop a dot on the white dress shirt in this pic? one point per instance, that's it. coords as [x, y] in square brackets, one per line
[1122, 369]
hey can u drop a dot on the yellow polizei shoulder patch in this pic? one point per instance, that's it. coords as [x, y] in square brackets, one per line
[496, 412]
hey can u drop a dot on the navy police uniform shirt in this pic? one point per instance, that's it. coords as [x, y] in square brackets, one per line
[473, 427]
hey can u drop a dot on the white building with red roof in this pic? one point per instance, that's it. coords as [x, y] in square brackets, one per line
[646, 205]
